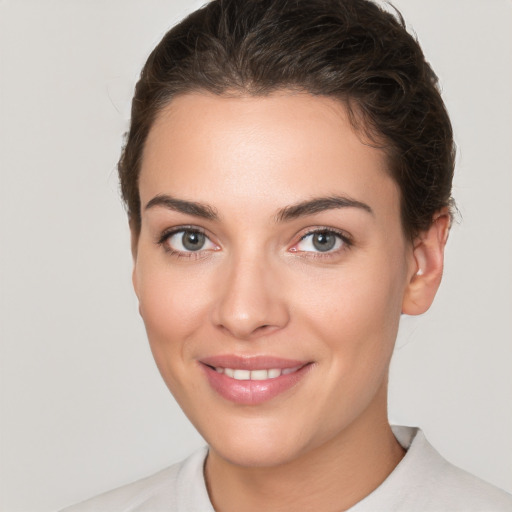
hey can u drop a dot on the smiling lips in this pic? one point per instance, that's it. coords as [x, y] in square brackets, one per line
[252, 381]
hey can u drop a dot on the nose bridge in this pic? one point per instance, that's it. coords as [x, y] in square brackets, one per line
[249, 303]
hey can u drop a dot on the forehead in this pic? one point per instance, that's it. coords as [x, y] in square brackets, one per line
[277, 149]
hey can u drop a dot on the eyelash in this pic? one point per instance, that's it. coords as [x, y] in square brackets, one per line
[195, 255]
[346, 240]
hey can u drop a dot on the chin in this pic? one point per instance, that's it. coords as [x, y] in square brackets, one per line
[260, 453]
[257, 442]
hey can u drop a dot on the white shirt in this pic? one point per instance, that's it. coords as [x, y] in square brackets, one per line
[423, 481]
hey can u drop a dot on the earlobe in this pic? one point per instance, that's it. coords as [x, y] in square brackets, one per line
[426, 273]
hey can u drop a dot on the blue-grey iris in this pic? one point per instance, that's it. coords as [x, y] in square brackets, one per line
[193, 240]
[324, 241]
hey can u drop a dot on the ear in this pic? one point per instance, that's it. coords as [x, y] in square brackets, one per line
[427, 270]
[134, 243]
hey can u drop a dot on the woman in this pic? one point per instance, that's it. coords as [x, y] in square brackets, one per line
[287, 177]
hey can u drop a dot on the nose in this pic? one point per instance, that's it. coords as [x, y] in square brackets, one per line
[250, 301]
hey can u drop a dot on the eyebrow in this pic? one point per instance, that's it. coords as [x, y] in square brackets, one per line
[291, 212]
[203, 211]
[317, 205]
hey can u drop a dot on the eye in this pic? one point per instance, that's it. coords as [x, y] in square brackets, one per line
[321, 241]
[186, 241]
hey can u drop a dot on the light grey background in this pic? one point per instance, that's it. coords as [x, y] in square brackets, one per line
[83, 408]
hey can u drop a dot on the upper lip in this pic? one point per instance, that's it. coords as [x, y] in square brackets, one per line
[262, 362]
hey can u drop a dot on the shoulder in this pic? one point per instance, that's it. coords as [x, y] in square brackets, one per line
[426, 482]
[178, 487]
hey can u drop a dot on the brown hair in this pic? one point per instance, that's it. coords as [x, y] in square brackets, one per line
[349, 49]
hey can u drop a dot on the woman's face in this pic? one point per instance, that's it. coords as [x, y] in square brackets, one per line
[270, 267]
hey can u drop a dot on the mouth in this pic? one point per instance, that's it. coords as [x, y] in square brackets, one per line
[253, 380]
[264, 374]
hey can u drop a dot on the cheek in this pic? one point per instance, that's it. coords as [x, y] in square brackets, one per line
[173, 313]
[173, 304]
[355, 312]
[355, 298]
[170, 299]
[355, 316]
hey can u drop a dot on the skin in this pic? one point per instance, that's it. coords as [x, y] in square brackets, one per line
[258, 287]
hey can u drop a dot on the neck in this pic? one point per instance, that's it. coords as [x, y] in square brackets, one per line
[331, 477]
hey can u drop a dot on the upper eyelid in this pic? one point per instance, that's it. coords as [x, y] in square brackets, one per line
[346, 237]
[167, 233]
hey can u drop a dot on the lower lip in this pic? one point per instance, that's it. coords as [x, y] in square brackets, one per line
[252, 392]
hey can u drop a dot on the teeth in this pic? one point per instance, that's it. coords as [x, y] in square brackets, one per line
[259, 374]
[272, 373]
[242, 374]
[286, 371]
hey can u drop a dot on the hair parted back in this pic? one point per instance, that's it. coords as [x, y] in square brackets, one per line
[347, 49]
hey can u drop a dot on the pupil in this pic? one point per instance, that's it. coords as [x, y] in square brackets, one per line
[324, 241]
[193, 241]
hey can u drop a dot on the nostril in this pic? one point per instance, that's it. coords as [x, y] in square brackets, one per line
[264, 328]
[261, 330]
